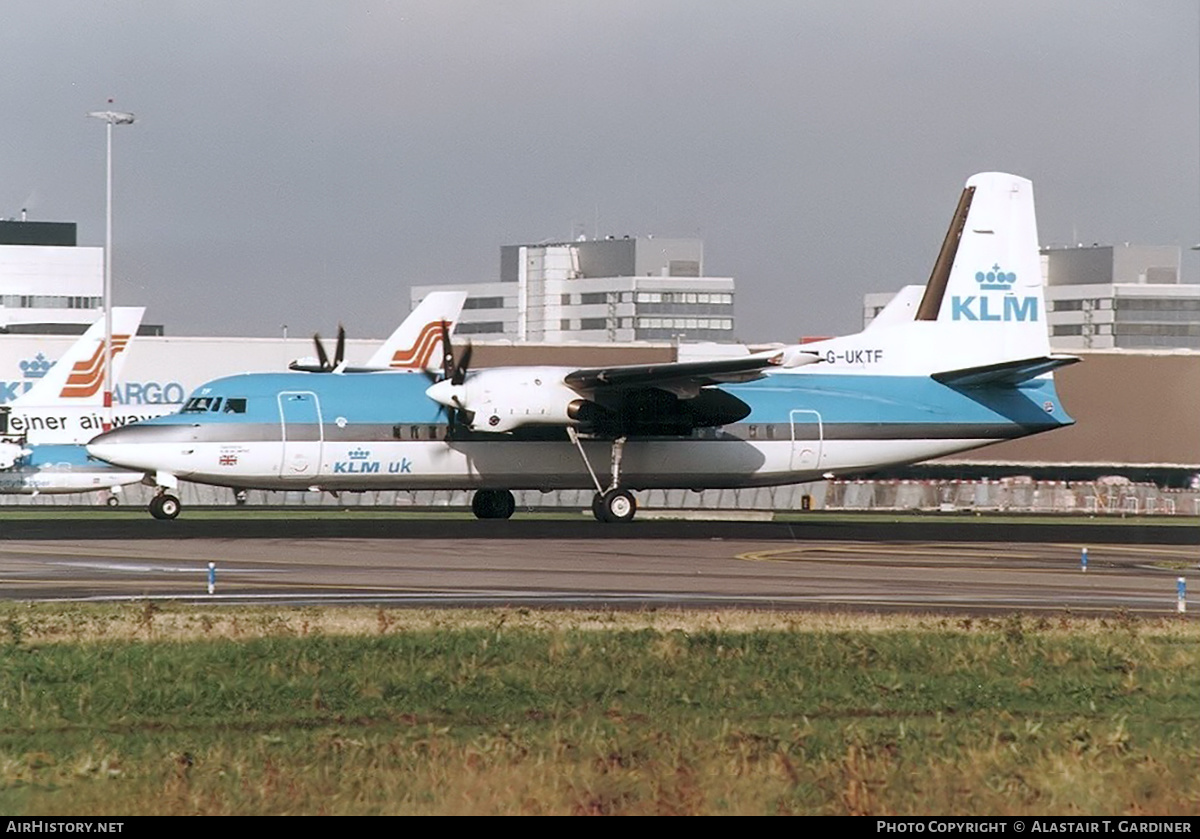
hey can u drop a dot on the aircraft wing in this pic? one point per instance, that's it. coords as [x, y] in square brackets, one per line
[684, 378]
[502, 399]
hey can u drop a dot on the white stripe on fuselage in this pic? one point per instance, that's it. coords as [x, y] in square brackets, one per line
[511, 464]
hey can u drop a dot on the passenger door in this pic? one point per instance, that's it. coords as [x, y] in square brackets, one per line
[303, 433]
[808, 435]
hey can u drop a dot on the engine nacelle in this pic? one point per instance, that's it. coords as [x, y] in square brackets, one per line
[506, 398]
[503, 399]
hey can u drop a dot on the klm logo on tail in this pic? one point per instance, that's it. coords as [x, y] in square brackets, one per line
[990, 307]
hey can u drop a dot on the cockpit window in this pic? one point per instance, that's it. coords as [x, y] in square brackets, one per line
[215, 404]
[198, 404]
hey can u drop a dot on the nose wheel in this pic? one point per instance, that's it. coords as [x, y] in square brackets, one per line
[164, 506]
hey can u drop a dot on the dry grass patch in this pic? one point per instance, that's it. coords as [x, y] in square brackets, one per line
[31, 623]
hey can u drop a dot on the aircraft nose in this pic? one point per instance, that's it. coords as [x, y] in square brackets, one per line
[125, 446]
[109, 445]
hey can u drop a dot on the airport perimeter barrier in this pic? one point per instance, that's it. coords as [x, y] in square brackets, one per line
[1104, 497]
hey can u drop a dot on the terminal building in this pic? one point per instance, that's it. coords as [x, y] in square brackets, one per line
[600, 290]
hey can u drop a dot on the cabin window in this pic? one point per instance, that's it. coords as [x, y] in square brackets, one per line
[753, 432]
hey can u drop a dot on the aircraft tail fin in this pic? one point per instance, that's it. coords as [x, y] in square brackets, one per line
[77, 378]
[416, 343]
[986, 289]
[983, 308]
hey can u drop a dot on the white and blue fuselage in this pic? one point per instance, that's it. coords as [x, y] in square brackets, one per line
[381, 431]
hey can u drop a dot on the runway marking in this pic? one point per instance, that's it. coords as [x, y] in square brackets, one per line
[135, 568]
[944, 552]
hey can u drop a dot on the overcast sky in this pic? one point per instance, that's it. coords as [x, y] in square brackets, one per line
[306, 162]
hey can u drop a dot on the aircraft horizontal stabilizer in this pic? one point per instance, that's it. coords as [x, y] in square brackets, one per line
[1008, 372]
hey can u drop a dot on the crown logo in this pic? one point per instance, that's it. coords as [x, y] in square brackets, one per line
[359, 454]
[995, 280]
[35, 367]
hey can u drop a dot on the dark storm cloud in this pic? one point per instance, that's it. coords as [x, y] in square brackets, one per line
[305, 162]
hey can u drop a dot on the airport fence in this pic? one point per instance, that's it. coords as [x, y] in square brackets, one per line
[1113, 497]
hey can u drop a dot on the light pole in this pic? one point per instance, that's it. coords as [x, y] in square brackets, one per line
[111, 118]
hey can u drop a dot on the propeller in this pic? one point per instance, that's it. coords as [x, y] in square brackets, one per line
[454, 371]
[323, 363]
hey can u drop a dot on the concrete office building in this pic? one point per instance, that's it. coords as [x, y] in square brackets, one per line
[48, 284]
[1120, 297]
[599, 290]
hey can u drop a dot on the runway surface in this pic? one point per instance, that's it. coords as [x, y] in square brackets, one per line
[566, 563]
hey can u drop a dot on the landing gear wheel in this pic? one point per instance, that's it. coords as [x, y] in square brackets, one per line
[165, 506]
[493, 504]
[112, 501]
[616, 505]
[239, 496]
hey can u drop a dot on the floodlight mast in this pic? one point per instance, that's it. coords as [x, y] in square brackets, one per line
[111, 118]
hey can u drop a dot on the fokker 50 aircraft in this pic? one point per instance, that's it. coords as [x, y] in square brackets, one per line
[967, 364]
[43, 431]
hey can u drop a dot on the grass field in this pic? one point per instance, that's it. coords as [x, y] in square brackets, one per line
[147, 710]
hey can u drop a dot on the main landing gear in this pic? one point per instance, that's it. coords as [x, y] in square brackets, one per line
[493, 504]
[613, 504]
[608, 505]
[164, 506]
